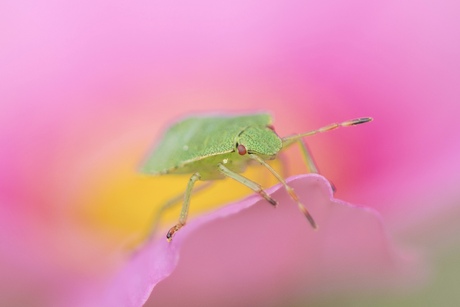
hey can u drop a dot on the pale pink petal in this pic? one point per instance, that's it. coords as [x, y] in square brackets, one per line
[251, 253]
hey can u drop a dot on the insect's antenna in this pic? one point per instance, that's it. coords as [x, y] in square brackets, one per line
[352, 122]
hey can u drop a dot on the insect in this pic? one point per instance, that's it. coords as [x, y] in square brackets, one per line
[214, 147]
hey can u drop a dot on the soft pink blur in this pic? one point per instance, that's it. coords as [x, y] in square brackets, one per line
[77, 78]
[227, 252]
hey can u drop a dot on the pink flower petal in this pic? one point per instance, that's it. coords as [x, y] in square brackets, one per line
[351, 247]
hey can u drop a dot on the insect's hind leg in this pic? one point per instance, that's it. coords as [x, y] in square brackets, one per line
[247, 182]
[155, 220]
[185, 205]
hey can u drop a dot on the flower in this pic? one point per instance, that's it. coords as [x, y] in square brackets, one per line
[87, 87]
[230, 252]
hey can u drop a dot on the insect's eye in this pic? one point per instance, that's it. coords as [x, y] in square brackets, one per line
[241, 149]
[271, 127]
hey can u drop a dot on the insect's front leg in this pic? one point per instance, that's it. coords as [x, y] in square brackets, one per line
[184, 211]
[247, 182]
[172, 202]
[288, 189]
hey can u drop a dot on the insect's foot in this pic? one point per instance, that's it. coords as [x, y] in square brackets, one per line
[308, 216]
[334, 189]
[273, 202]
[172, 231]
[311, 221]
[268, 198]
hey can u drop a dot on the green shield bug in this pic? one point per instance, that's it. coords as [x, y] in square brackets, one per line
[215, 147]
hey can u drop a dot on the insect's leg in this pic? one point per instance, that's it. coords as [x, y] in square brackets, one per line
[308, 157]
[306, 154]
[284, 163]
[312, 167]
[247, 182]
[310, 161]
[288, 189]
[155, 220]
[185, 205]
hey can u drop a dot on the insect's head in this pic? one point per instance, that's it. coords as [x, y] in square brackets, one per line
[260, 140]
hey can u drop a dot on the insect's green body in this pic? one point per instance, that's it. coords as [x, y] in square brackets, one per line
[198, 144]
[215, 147]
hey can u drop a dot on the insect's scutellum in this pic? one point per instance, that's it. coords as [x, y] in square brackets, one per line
[231, 143]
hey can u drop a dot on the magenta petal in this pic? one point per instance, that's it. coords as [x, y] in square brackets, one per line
[245, 252]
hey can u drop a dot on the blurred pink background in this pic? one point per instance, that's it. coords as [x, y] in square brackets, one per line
[86, 88]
